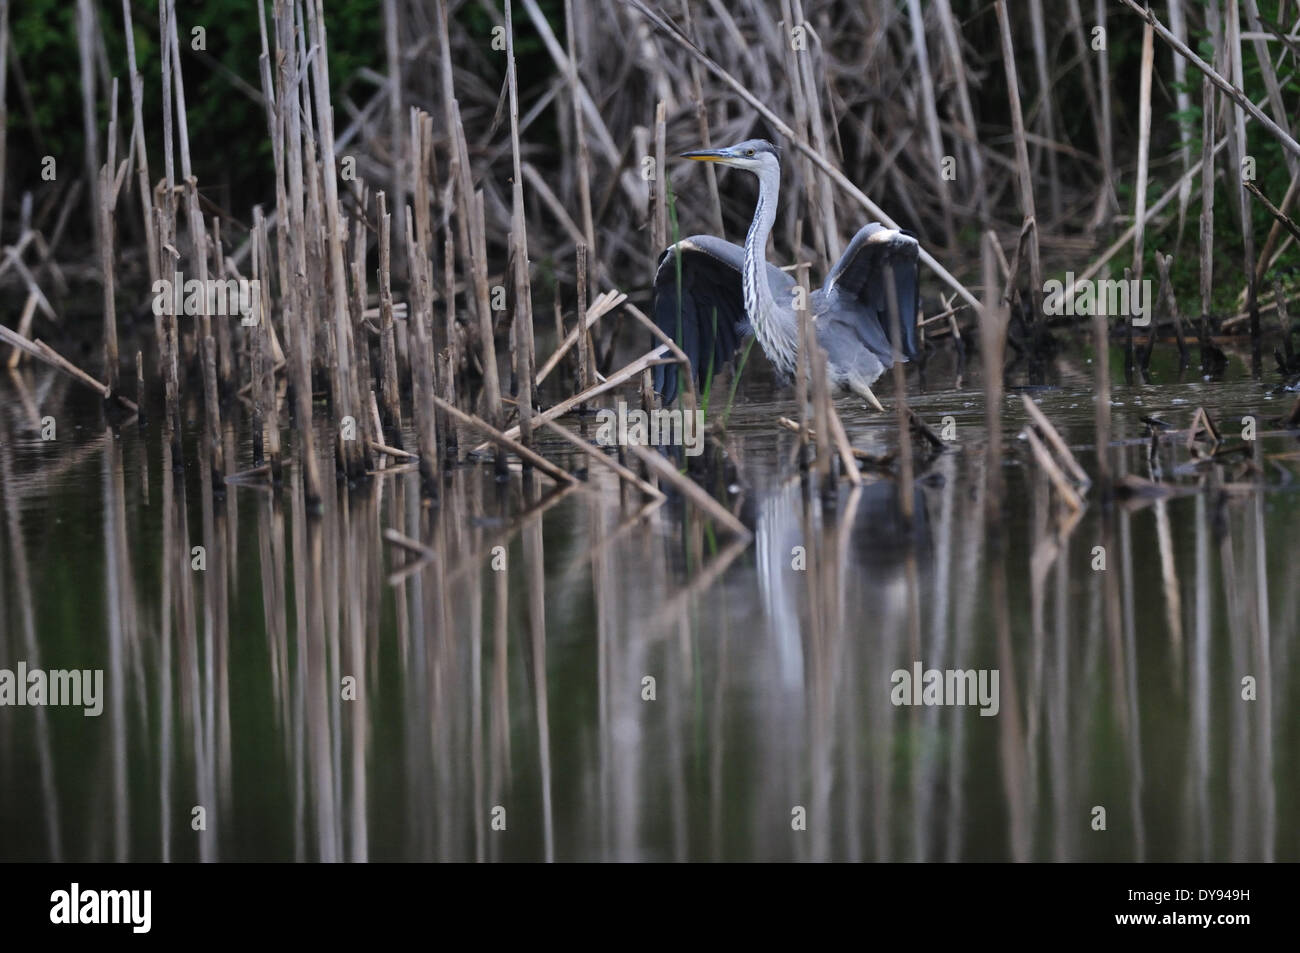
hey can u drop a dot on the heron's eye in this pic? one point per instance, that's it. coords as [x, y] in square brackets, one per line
[749, 152]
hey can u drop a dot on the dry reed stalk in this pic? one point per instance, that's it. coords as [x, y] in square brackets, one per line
[821, 191]
[86, 37]
[1207, 214]
[928, 101]
[526, 350]
[1045, 112]
[659, 189]
[584, 338]
[360, 335]
[292, 245]
[392, 57]
[957, 71]
[1144, 149]
[1171, 304]
[702, 124]
[199, 241]
[208, 355]
[43, 352]
[1277, 105]
[1183, 104]
[138, 144]
[257, 357]
[225, 367]
[139, 386]
[1025, 180]
[262, 346]
[1279, 216]
[424, 395]
[1283, 319]
[24, 328]
[580, 139]
[505, 441]
[905, 468]
[353, 453]
[1056, 442]
[167, 356]
[1275, 232]
[1237, 154]
[388, 388]
[112, 368]
[602, 306]
[1125, 237]
[801, 364]
[993, 335]
[1053, 470]
[617, 379]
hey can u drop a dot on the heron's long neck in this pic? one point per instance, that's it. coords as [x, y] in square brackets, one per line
[758, 293]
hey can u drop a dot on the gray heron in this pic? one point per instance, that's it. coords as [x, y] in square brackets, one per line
[711, 294]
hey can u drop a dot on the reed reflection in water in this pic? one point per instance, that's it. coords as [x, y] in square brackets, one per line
[531, 671]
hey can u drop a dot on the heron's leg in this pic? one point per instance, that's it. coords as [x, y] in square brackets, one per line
[860, 387]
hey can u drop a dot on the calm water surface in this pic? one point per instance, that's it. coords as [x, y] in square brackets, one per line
[322, 693]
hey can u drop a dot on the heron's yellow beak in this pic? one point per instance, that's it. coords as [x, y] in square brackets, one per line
[709, 155]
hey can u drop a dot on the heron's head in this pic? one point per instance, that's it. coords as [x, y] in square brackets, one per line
[756, 155]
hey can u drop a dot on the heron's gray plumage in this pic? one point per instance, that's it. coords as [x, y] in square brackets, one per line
[724, 281]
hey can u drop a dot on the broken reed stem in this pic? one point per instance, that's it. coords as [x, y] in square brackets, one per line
[595, 454]
[1281, 218]
[43, 352]
[1274, 233]
[1055, 440]
[1171, 304]
[504, 440]
[649, 359]
[602, 306]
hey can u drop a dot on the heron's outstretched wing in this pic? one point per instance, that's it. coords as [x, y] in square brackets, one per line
[707, 319]
[855, 293]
